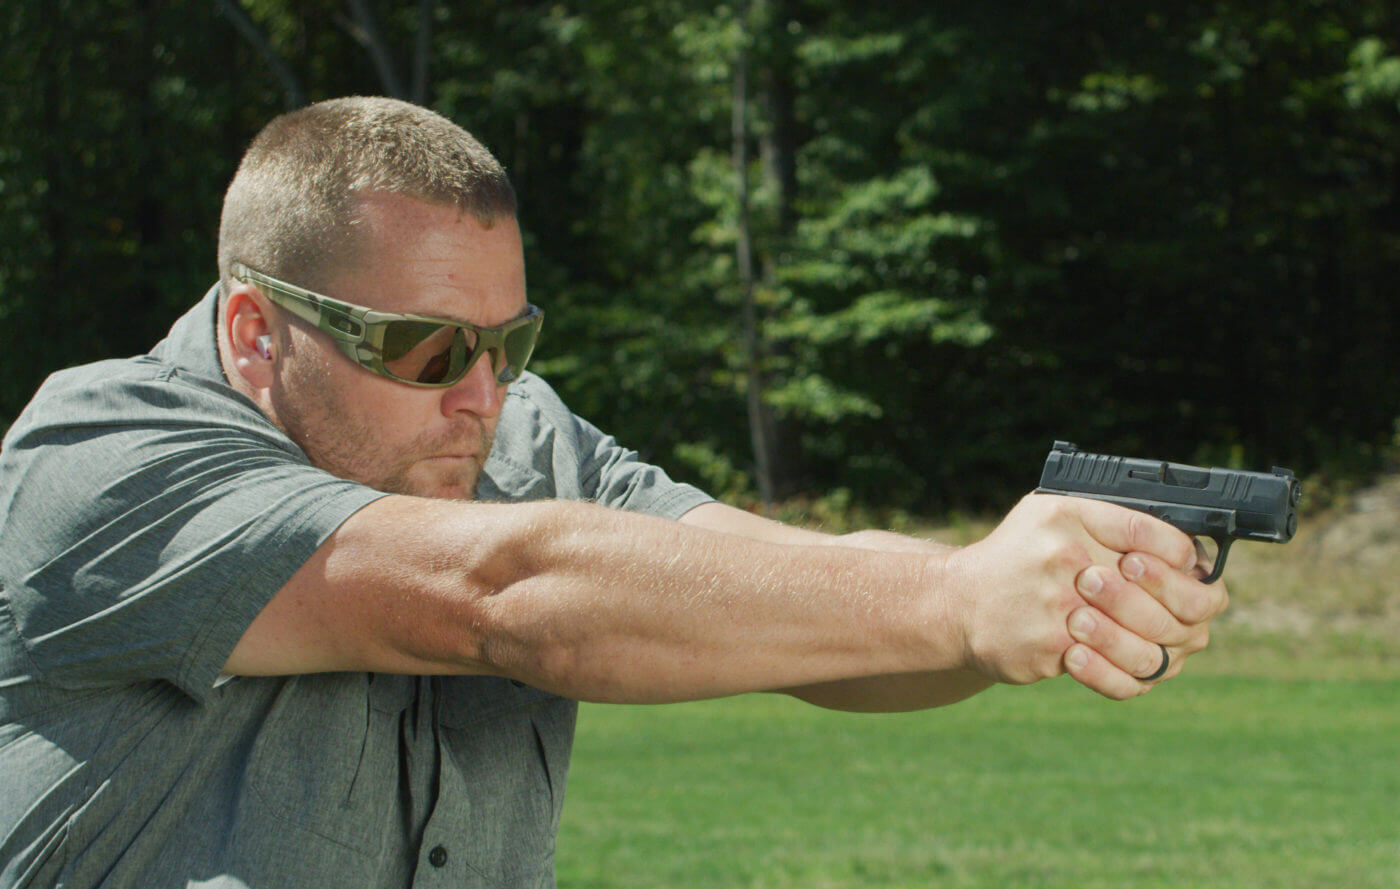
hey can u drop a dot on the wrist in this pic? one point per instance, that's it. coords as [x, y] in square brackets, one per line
[944, 611]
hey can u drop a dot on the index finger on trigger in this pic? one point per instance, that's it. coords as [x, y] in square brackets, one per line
[1126, 530]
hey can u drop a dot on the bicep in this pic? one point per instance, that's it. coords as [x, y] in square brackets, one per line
[392, 590]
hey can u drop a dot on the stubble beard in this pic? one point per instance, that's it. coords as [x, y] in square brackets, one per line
[350, 446]
[410, 476]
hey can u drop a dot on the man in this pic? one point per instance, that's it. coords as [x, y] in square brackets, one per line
[305, 596]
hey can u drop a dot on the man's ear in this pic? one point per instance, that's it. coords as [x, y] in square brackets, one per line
[246, 338]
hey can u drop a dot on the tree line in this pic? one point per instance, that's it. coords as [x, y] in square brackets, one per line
[793, 247]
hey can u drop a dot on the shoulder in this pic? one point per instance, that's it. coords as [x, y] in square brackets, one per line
[148, 513]
[117, 395]
[524, 462]
[531, 399]
[102, 445]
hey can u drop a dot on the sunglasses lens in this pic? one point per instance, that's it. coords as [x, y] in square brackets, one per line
[426, 352]
[434, 353]
[518, 345]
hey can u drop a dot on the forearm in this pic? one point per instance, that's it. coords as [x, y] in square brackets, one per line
[719, 517]
[885, 693]
[609, 606]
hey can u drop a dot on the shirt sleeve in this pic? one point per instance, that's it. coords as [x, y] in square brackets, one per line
[147, 521]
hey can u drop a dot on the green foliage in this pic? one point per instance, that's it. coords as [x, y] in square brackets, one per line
[1168, 230]
[1373, 75]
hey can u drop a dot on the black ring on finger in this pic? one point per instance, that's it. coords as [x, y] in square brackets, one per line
[1166, 662]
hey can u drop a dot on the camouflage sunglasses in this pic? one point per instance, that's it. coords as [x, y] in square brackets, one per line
[415, 349]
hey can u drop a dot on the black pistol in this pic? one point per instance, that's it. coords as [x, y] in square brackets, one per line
[1223, 504]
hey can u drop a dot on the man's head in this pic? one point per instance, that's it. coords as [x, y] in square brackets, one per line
[292, 209]
[388, 207]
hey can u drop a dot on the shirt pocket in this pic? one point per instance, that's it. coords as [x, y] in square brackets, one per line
[506, 753]
[325, 760]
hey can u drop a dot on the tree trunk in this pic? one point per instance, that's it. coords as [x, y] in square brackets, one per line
[761, 427]
[366, 32]
[292, 94]
[778, 152]
[422, 51]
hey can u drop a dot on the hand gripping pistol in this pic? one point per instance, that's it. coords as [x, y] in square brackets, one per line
[1224, 505]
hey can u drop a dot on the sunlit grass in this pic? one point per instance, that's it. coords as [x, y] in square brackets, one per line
[1206, 782]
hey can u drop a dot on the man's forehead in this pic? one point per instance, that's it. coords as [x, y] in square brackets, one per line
[387, 216]
[418, 257]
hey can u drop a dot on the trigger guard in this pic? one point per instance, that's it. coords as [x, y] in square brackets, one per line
[1223, 546]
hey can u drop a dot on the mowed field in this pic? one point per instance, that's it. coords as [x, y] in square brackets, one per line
[1273, 761]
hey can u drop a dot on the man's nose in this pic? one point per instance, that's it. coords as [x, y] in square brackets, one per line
[477, 392]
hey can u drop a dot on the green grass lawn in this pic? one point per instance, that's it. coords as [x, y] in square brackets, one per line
[1273, 761]
[1210, 781]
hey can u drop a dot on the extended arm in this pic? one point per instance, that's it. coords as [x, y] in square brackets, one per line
[594, 604]
[602, 605]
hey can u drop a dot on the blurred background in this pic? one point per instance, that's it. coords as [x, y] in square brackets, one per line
[799, 251]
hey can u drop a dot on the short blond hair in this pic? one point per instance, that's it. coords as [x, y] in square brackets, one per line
[291, 208]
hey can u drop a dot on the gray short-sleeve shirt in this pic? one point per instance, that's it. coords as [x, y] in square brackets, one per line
[147, 514]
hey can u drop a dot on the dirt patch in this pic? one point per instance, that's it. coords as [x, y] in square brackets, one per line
[1367, 531]
[1341, 574]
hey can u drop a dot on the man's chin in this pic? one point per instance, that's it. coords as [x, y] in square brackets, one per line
[452, 492]
[437, 483]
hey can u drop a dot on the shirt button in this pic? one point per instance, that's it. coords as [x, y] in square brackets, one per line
[438, 856]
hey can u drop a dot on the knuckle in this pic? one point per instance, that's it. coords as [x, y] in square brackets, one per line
[1064, 514]
[1151, 535]
[1058, 508]
[1138, 531]
[1049, 655]
[1198, 641]
[1149, 663]
[1068, 558]
[1197, 609]
[1181, 553]
[1124, 692]
[1160, 626]
[1065, 603]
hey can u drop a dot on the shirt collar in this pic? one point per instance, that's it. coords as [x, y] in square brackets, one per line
[191, 343]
